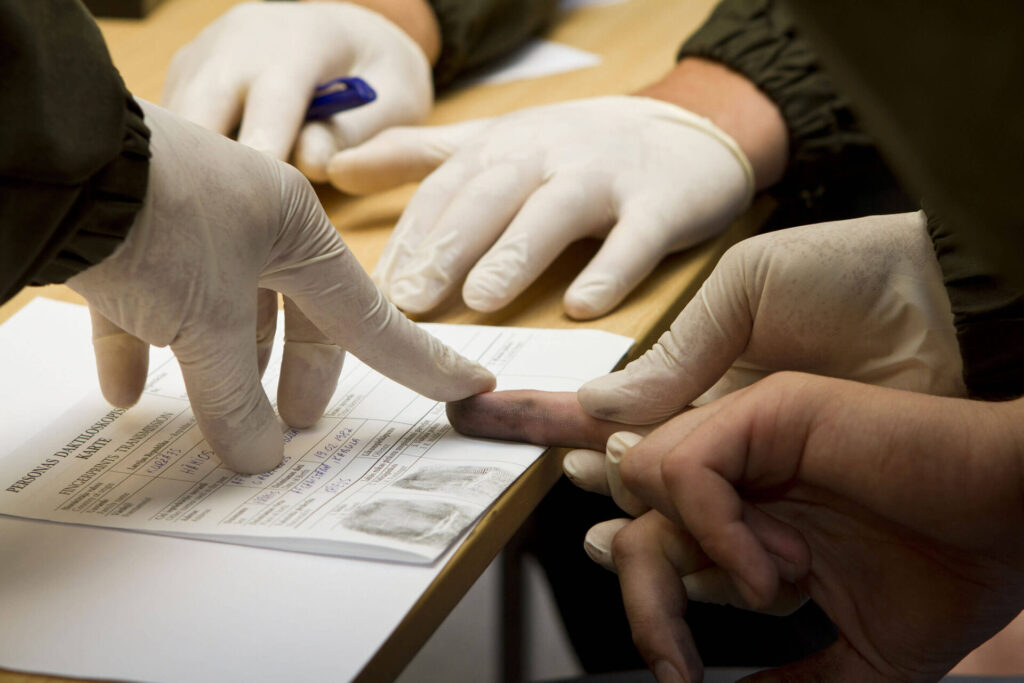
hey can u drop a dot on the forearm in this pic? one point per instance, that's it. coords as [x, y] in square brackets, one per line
[736, 106]
[415, 17]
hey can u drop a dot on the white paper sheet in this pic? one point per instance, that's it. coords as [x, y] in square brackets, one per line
[382, 475]
[105, 603]
[536, 58]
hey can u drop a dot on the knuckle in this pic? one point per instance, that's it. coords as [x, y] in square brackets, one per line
[632, 467]
[676, 470]
[629, 541]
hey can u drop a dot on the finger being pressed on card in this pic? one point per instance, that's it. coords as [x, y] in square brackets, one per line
[544, 418]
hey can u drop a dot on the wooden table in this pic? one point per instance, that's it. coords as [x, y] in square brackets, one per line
[637, 40]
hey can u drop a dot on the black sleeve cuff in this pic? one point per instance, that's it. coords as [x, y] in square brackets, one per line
[474, 32]
[94, 217]
[757, 39]
[988, 313]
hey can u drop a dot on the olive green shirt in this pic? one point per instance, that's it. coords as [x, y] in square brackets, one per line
[936, 84]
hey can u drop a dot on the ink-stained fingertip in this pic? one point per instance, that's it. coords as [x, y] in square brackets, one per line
[538, 417]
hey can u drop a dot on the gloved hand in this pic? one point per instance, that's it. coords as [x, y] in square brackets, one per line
[860, 299]
[261, 61]
[512, 192]
[219, 221]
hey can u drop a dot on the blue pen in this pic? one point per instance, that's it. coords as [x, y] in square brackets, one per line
[340, 94]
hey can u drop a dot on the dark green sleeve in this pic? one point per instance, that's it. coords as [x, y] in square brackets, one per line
[938, 84]
[834, 170]
[73, 148]
[474, 32]
[988, 309]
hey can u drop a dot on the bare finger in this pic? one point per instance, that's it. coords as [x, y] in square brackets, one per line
[544, 418]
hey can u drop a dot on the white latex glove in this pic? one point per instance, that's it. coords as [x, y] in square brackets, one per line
[219, 221]
[512, 192]
[261, 61]
[860, 299]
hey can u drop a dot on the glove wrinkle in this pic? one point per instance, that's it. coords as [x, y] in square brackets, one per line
[189, 274]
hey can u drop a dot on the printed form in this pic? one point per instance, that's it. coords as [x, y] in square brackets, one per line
[382, 475]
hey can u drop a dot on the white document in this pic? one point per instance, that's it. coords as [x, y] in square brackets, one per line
[97, 602]
[536, 58]
[382, 475]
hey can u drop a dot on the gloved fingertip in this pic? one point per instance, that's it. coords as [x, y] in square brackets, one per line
[590, 299]
[474, 379]
[620, 442]
[482, 302]
[121, 394]
[260, 452]
[411, 298]
[342, 169]
[598, 551]
[489, 285]
[122, 364]
[598, 542]
[600, 397]
[301, 416]
[585, 468]
[313, 152]
[582, 310]
[309, 376]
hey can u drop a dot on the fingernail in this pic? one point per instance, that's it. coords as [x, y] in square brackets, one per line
[619, 443]
[666, 673]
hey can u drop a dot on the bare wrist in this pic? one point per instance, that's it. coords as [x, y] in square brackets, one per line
[1014, 423]
[415, 17]
[736, 106]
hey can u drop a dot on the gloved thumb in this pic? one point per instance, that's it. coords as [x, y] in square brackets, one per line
[703, 342]
[398, 155]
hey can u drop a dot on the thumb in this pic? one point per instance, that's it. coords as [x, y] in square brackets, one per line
[398, 155]
[703, 342]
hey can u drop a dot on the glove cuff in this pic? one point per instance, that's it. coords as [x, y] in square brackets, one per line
[687, 118]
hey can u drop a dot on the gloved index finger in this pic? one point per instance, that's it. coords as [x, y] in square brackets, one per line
[338, 297]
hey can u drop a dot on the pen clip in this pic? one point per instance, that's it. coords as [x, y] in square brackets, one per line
[347, 92]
